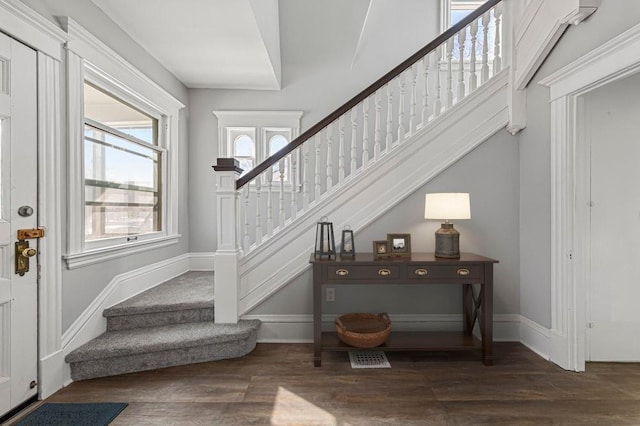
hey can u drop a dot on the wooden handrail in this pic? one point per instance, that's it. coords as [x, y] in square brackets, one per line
[381, 82]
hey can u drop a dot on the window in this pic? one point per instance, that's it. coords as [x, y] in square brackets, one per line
[453, 11]
[123, 156]
[253, 136]
[122, 169]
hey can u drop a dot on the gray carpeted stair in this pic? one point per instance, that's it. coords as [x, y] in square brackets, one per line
[171, 324]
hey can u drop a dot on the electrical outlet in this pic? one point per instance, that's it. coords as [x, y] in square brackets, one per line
[331, 294]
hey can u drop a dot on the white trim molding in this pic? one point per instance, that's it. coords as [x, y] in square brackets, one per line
[90, 59]
[535, 337]
[50, 217]
[539, 29]
[201, 261]
[614, 60]
[24, 24]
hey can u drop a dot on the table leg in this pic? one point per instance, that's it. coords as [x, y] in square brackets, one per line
[317, 315]
[486, 316]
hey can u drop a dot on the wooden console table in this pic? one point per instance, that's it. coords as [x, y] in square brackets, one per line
[420, 269]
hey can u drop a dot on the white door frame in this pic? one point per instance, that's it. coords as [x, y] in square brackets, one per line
[22, 23]
[614, 60]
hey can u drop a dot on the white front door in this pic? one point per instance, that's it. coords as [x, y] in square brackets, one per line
[18, 187]
[613, 127]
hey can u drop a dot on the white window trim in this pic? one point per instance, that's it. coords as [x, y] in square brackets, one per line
[262, 122]
[445, 14]
[88, 58]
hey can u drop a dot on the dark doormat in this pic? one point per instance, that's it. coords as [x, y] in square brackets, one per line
[73, 414]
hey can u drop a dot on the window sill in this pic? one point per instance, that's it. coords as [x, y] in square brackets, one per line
[90, 257]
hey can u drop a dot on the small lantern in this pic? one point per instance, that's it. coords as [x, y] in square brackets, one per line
[325, 242]
[347, 247]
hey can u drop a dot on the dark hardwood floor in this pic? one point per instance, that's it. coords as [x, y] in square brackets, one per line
[278, 385]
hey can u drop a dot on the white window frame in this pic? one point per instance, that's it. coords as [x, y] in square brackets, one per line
[445, 24]
[445, 11]
[88, 59]
[261, 123]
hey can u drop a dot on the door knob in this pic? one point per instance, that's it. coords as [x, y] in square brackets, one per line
[29, 252]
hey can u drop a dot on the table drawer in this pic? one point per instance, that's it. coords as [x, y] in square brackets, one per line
[356, 272]
[443, 271]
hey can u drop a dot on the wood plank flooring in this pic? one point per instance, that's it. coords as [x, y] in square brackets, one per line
[278, 385]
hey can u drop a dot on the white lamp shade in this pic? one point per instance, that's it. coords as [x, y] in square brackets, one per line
[447, 206]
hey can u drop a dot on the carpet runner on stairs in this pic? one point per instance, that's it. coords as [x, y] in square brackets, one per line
[170, 324]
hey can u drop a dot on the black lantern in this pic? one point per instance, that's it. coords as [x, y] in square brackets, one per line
[325, 242]
[347, 246]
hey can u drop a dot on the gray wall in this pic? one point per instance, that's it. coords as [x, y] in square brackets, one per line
[313, 80]
[81, 286]
[612, 18]
[490, 175]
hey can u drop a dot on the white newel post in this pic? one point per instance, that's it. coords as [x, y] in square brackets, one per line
[227, 279]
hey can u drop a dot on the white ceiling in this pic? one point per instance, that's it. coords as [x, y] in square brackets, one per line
[231, 44]
[268, 44]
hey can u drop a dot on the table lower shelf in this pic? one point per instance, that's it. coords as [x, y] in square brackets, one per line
[411, 341]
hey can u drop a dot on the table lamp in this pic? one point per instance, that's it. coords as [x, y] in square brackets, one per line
[447, 206]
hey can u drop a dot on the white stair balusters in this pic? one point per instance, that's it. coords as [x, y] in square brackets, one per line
[425, 89]
[305, 177]
[401, 85]
[329, 157]
[341, 150]
[462, 38]
[497, 59]
[365, 133]
[473, 78]
[389, 139]
[281, 176]
[293, 160]
[246, 241]
[437, 106]
[484, 70]
[377, 132]
[449, 53]
[318, 182]
[269, 174]
[258, 211]
[354, 141]
[414, 96]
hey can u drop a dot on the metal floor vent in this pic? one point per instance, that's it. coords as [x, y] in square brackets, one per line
[368, 359]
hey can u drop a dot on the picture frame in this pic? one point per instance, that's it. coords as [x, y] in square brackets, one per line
[399, 245]
[380, 249]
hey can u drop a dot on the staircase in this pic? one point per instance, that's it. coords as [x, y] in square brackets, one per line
[170, 324]
[361, 160]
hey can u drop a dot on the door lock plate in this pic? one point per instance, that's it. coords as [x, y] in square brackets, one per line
[28, 234]
[23, 253]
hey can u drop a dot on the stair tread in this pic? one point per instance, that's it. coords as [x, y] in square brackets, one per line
[193, 290]
[154, 339]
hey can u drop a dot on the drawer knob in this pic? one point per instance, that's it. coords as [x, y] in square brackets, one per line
[342, 272]
[384, 272]
[421, 272]
[463, 272]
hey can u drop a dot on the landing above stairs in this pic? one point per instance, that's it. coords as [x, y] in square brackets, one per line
[170, 324]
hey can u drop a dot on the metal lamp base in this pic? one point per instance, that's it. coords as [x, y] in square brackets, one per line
[447, 242]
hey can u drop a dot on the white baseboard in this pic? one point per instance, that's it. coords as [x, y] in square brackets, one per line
[201, 261]
[91, 323]
[299, 329]
[535, 337]
[51, 374]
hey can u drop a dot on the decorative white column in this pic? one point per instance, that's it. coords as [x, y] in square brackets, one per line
[227, 278]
